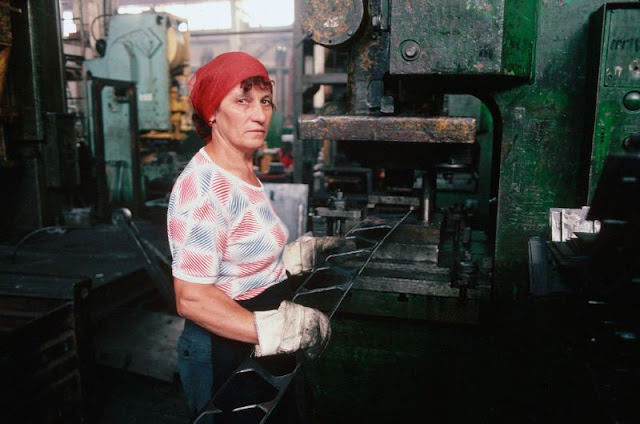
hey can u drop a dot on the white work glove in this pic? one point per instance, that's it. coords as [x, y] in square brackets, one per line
[303, 253]
[292, 328]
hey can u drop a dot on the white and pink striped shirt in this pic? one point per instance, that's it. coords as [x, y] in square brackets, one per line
[224, 231]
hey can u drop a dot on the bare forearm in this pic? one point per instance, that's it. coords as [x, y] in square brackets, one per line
[213, 310]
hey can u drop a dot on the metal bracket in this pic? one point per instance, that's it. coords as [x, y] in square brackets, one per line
[327, 285]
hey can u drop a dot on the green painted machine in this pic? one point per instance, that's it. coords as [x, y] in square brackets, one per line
[482, 113]
[614, 84]
[150, 49]
[38, 154]
[149, 54]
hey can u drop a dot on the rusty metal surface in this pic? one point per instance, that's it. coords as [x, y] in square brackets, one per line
[462, 37]
[332, 22]
[448, 130]
[369, 63]
[426, 287]
[6, 36]
[458, 36]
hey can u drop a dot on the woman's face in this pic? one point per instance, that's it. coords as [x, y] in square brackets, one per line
[243, 118]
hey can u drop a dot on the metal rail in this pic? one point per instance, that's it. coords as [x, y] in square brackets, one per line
[326, 286]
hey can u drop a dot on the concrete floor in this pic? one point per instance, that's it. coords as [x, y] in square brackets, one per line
[129, 398]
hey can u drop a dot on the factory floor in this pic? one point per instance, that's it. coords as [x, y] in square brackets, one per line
[130, 398]
[517, 364]
[382, 370]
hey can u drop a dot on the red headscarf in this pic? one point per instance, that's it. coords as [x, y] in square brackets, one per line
[213, 81]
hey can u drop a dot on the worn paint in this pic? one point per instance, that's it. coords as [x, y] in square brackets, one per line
[369, 128]
[463, 37]
[614, 74]
[332, 23]
[533, 67]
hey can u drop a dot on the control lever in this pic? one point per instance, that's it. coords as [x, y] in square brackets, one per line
[122, 218]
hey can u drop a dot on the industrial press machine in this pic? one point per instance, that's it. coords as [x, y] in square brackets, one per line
[482, 115]
[479, 115]
[486, 117]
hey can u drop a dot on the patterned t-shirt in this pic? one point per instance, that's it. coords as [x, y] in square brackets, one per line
[224, 231]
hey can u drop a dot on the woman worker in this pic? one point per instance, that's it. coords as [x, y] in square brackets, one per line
[226, 240]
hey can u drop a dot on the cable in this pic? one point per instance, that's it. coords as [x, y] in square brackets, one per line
[53, 229]
[93, 21]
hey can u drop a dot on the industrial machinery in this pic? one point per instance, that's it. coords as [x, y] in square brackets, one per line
[483, 114]
[129, 104]
[61, 176]
[38, 156]
[479, 116]
[138, 103]
[486, 115]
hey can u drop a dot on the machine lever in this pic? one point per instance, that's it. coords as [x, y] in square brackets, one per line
[122, 218]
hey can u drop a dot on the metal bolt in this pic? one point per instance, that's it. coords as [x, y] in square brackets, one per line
[410, 49]
[631, 100]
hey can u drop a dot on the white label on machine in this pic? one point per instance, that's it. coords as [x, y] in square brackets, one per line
[145, 97]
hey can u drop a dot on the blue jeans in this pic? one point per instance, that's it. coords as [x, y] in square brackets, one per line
[206, 361]
[195, 367]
